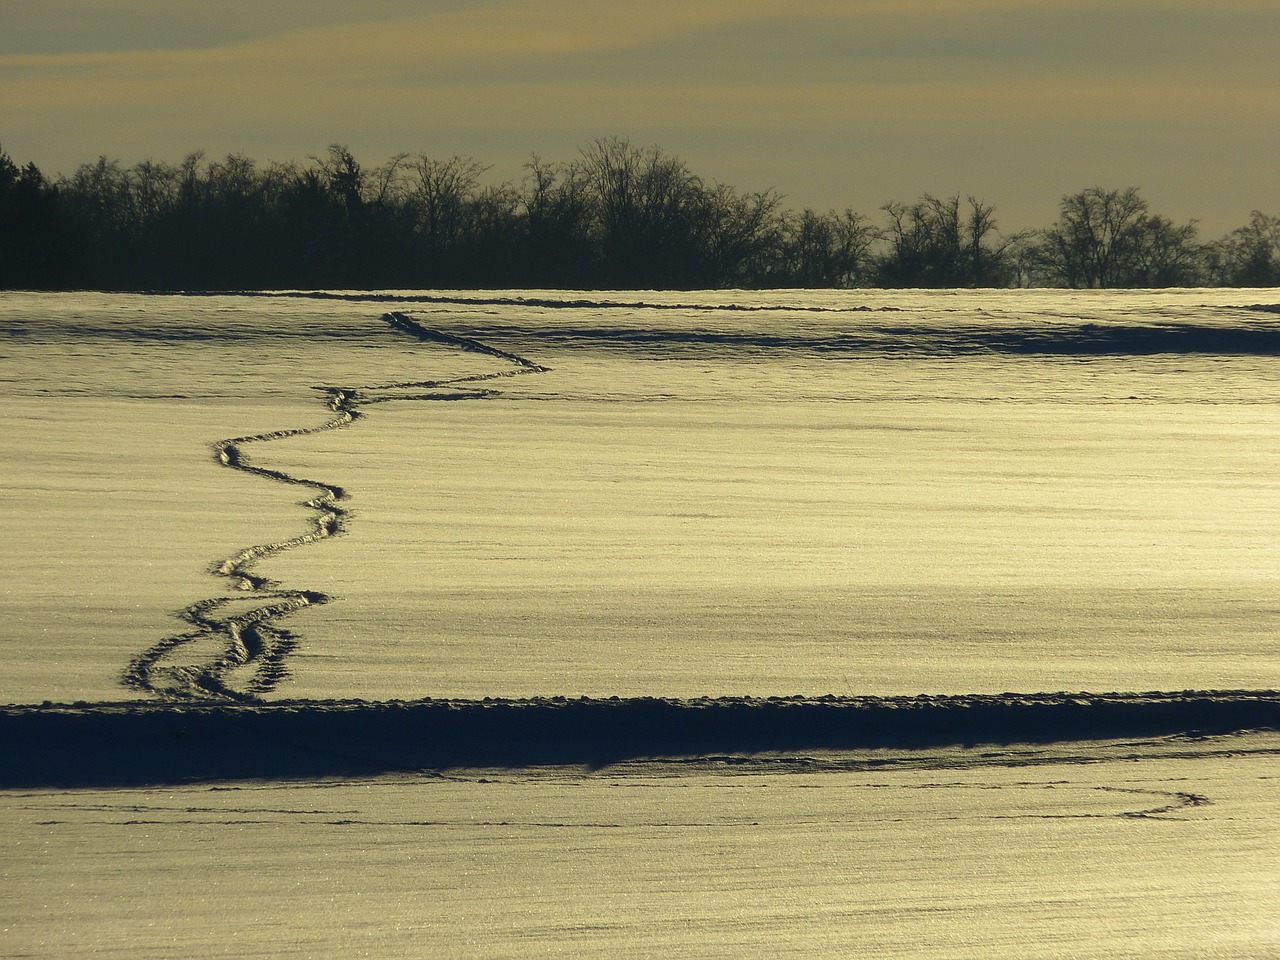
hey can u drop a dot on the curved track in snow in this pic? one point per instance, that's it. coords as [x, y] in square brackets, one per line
[236, 647]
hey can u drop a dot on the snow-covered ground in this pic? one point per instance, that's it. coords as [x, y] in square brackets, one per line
[863, 493]
[658, 494]
[1122, 850]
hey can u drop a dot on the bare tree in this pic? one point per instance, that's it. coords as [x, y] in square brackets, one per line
[647, 213]
[439, 192]
[343, 178]
[828, 250]
[1248, 256]
[1095, 241]
[1166, 254]
[558, 224]
[931, 243]
[740, 236]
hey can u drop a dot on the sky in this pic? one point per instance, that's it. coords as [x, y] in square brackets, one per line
[835, 104]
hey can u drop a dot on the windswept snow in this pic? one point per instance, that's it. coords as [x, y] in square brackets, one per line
[1112, 851]
[699, 494]
[741, 629]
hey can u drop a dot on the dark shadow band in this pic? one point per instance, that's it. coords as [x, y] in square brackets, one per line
[139, 743]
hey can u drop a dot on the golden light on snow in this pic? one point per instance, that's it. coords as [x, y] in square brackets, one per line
[229, 517]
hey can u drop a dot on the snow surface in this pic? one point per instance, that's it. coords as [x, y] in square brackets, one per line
[856, 493]
[314, 498]
[1119, 850]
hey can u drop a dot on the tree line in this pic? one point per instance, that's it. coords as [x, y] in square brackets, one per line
[617, 216]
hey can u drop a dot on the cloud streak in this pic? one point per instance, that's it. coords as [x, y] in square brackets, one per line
[478, 77]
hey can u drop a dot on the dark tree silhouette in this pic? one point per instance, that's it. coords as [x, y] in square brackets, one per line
[1107, 238]
[932, 243]
[646, 206]
[557, 248]
[1249, 256]
[36, 249]
[615, 216]
[741, 235]
[827, 250]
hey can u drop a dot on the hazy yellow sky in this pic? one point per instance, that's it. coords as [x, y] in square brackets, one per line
[834, 104]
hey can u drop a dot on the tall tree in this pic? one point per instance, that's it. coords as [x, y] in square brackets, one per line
[647, 213]
[35, 247]
[1248, 256]
[933, 243]
[1107, 238]
[827, 250]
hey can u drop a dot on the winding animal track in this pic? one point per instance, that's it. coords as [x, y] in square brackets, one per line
[249, 646]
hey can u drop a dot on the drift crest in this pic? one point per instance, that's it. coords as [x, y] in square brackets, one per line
[236, 648]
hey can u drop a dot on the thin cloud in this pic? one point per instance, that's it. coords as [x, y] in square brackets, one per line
[969, 87]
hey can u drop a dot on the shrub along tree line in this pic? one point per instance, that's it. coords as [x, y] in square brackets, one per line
[618, 216]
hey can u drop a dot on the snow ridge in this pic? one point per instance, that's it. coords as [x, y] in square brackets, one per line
[249, 646]
[543, 302]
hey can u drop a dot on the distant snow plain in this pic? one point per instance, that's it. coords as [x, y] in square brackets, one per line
[694, 494]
